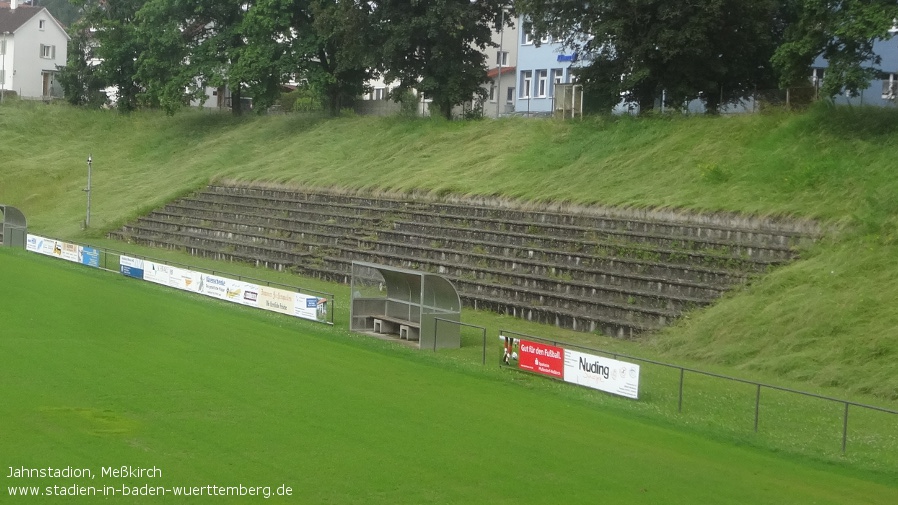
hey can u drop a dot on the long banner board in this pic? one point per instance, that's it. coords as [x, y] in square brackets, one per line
[223, 288]
[63, 250]
[597, 372]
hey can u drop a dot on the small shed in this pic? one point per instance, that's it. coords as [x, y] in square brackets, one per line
[405, 303]
[13, 227]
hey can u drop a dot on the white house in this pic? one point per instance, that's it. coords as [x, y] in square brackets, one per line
[32, 46]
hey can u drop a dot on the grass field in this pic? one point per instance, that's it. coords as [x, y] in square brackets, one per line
[827, 322]
[100, 370]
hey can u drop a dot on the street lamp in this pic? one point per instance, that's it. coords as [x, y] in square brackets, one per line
[87, 190]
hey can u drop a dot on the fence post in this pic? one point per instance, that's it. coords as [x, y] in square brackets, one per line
[436, 321]
[845, 428]
[757, 406]
[680, 405]
[484, 346]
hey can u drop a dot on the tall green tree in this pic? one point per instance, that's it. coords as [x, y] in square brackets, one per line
[843, 32]
[714, 50]
[436, 46]
[327, 44]
[111, 45]
[192, 45]
[80, 79]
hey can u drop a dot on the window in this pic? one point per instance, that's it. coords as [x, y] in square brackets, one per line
[3, 45]
[48, 52]
[526, 33]
[817, 75]
[509, 98]
[502, 58]
[378, 93]
[41, 23]
[890, 87]
[545, 39]
[3, 78]
[492, 92]
[557, 77]
[542, 81]
[526, 82]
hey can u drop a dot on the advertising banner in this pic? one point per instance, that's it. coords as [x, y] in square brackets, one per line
[180, 278]
[33, 243]
[69, 252]
[310, 307]
[277, 300]
[541, 358]
[214, 286]
[249, 295]
[90, 257]
[132, 267]
[64, 250]
[604, 374]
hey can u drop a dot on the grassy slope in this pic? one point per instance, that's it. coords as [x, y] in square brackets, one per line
[827, 321]
[251, 398]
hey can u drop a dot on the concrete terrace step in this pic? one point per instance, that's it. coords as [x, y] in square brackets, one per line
[579, 296]
[765, 234]
[645, 259]
[436, 256]
[618, 271]
[585, 321]
[514, 230]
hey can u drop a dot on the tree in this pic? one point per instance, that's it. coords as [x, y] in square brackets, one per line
[79, 79]
[843, 32]
[715, 50]
[435, 46]
[192, 45]
[111, 41]
[328, 44]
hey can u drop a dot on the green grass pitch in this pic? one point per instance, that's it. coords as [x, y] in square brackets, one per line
[98, 370]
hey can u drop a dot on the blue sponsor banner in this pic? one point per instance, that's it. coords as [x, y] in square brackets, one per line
[132, 267]
[311, 303]
[90, 257]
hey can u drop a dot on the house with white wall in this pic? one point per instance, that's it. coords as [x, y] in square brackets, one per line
[33, 45]
[501, 61]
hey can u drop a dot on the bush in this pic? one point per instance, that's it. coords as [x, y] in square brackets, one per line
[302, 99]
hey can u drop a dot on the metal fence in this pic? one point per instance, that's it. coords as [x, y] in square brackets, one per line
[438, 320]
[105, 264]
[682, 391]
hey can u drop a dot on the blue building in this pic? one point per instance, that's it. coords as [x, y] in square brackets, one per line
[883, 91]
[539, 69]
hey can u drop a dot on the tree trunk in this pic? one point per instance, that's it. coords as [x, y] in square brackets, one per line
[236, 101]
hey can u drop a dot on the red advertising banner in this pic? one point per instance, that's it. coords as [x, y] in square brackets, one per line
[541, 358]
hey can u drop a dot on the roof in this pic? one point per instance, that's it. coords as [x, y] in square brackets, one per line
[12, 19]
[494, 72]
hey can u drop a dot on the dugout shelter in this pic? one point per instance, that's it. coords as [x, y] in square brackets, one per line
[13, 227]
[407, 303]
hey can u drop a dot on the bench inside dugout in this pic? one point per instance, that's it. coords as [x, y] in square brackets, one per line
[404, 303]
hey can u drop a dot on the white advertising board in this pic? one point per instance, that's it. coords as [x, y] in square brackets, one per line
[64, 250]
[604, 374]
[180, 278]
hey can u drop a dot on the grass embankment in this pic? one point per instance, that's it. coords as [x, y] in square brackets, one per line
[827, 321]
[213, 394]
